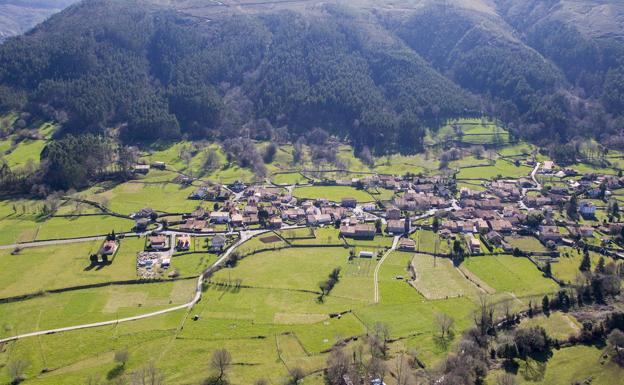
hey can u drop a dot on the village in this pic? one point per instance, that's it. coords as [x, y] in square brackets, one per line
[501, 216]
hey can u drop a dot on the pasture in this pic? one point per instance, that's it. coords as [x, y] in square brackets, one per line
[53, 267]
[437, 278]
[332, 193]
[506, 273]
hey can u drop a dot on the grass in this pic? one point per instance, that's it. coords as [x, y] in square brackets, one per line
[53, 267]
[506, 273]
[438, 278]
[132, 196]
[526, 244]
[332, 193]
[500, 168]
[64, 227]
[566, 267]
[91, 305]
[558, 325]
[576, 364]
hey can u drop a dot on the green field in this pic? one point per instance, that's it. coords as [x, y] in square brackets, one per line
[438, 278]
[558, 325]
[501, 168]
[332, 193]
[526, 244]
[510, 274]
[53, 267]
[568, 366]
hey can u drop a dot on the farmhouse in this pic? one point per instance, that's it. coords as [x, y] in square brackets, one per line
[360, 230]
[108, 248]
[220, 217]
[474, 244]
[587, 209]
[183, 242]
[275, 222]
[141, 169]
[549, 233]
[217, 243]
[158, 242]
[193, 225]
[407, 244]
[393, 214]
[396, 226]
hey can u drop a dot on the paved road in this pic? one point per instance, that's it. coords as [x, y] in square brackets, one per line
[395, 242]
[244, 236]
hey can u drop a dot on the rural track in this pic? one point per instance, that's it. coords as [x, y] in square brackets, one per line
[244, 237]
[395, 242]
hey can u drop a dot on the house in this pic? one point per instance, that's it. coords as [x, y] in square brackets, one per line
[393, 214]
[549, 233]
[159, 165]
[158, 242]
[586, 231]
[396, 226]
[293, 214]
[474, 244]
[587, 209]
[494, 238]
[220, 217]
[349, 202]
[250, 220]
[141, 224]
[236, 220]
[238, 186]
[199, 194]
[108, 248]
[141, 169]
[360, 230]
[370, 206]
[183, 242]
[193, 225]
[501, 226]
[548, 167]
[217, 243]
[366, 254]
[407, 244]
[275, 222]
[319, 219]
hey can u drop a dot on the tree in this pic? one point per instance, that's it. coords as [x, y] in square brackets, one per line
[148, 375]
[17, 369]
[600, 267]
[220, 363]
[616, 341]
[211, 160]
[269, 153]
[122, 356]
[445, 325]
[546, 306]
[261, 381]
[337, 367]
[585, 262]
[378, 226]
[506, 379]
[435, 224]
[296, 375]
[548, 269]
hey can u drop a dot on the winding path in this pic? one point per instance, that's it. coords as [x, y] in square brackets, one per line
[395, 242]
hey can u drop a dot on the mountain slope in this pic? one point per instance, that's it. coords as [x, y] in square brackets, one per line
[376, 72]
[18, 16]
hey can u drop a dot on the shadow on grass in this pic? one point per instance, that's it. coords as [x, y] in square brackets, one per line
[115, 372]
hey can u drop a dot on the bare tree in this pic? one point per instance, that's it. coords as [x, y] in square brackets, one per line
[484, 317]
[402, 370]
[221, 362]
[122, 356]
[445, 324]
[337, 367]
[148, 375]
[506, 379]
[296, 374]
[17, 370]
